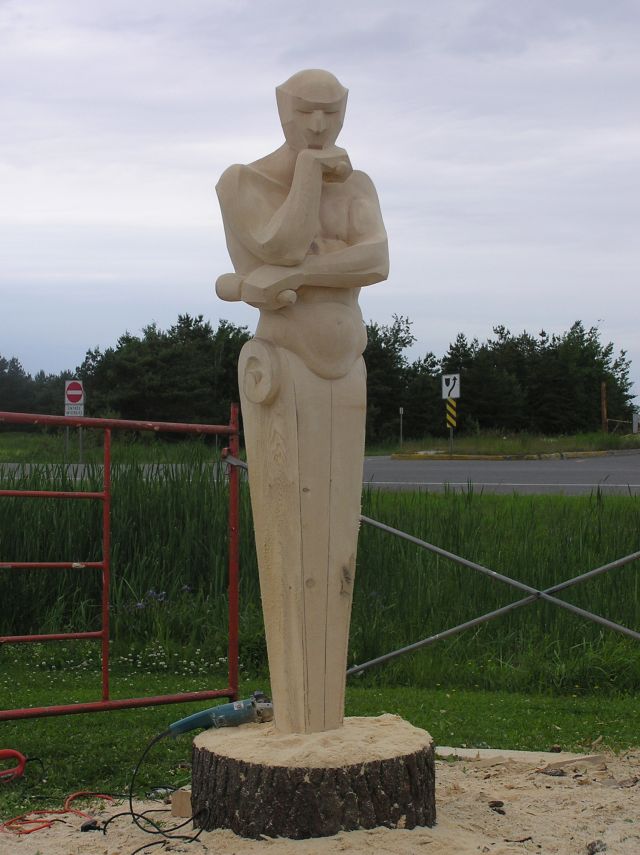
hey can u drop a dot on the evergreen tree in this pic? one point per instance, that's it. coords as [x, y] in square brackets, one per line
[187, 373]
[544, 384]
[423, 409]
[386, 375]
[15, 386]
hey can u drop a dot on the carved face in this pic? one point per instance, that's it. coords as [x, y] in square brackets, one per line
[311, 105]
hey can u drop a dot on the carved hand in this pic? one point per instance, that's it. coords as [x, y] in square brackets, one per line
[333, 161]
[269, 286]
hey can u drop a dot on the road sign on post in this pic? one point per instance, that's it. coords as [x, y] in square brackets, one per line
[73, 398]
[450, 386]
[450, 392]
[452, 416]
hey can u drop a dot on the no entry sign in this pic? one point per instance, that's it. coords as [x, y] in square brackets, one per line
[73, 398]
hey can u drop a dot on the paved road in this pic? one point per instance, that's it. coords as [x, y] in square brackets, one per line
[615, 473]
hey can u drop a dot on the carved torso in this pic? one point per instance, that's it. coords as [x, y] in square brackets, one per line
[324, 328]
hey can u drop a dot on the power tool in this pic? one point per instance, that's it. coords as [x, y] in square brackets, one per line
[257, 708]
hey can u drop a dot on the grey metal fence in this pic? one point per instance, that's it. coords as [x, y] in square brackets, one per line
[533, 594]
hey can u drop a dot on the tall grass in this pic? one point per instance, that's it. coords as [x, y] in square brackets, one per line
[169, 564]
[48, 446]
[168, 555]
[404, 593]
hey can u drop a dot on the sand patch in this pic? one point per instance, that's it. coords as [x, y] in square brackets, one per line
[554, 807]
[362, 739]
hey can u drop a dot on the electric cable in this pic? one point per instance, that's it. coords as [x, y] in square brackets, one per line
[141, 814]
[149, 845]
[37, 760]
[168, 834]
[37, 820]
[10, 775]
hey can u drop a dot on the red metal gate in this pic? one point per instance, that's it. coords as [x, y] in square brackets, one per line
[104, 496]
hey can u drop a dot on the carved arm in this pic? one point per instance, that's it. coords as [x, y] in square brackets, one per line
[287, 235]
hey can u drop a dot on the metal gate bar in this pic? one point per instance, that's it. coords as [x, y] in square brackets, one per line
[105, 497]
[534, 595]
[232, 430]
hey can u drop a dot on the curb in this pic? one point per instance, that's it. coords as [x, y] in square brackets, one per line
[554, 455]
[496, 755]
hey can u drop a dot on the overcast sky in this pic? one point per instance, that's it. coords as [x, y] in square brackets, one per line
[503, 137]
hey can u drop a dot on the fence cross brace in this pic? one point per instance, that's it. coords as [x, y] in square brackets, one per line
[533, 595]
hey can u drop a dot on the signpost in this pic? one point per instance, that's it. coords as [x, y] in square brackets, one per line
[73, 398]
[450, 394]
[73, 406]
[401, 415]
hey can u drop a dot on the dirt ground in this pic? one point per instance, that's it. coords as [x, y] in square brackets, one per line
[502, 805]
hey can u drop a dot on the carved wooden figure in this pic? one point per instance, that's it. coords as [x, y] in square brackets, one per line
[304, 233]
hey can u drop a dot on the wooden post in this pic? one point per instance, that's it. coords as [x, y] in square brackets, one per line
[603, 407]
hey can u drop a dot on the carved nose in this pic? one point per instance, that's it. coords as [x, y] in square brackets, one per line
[318, 122]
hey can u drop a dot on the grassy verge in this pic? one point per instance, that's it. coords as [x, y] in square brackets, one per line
[49, 446]
[169, 579]
[491, 442]
[98, 752]
[404, 594]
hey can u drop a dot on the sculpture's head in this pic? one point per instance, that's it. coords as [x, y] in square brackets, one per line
[311, 106]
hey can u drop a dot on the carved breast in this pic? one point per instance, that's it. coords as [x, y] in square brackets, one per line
[334, 214]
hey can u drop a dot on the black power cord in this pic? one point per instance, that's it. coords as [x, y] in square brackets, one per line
[148, 846]
[140, 818]
[37, 760]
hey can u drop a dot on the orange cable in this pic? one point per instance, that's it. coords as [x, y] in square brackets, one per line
[20, 824]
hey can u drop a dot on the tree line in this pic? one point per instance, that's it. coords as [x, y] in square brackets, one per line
[540, 383]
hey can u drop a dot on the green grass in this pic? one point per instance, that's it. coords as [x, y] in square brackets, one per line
[169, 578]
[168, 554]
[98, 752]
[48, 446]
[404, 593]
[494, 442]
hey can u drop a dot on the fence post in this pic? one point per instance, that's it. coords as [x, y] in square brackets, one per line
[234, 551]
[106, 561]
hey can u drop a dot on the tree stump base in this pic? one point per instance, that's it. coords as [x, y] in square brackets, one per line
[371, 772]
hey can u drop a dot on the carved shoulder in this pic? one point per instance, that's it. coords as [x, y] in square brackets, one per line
[227, 185]
[361, 183]
[365, 215]
[247, 201]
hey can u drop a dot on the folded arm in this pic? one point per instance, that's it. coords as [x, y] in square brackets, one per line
[283, 236]
[362, 260]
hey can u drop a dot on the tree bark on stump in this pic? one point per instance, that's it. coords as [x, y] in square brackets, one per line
[254, 799]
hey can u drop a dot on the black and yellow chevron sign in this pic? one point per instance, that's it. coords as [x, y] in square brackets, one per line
[451, 412]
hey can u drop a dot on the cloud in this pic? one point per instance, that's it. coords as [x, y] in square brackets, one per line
[502, 137]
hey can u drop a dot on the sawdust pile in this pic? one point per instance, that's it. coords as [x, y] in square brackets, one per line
[361, 739]
[498, 805]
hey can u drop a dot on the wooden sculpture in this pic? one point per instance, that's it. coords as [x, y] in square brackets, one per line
[304, 233]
